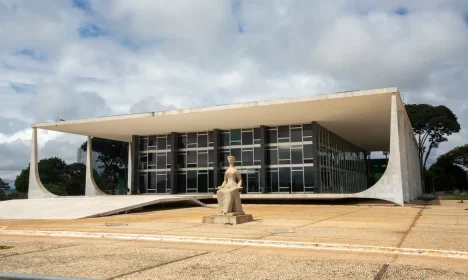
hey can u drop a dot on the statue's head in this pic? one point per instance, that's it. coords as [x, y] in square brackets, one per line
[231, 159]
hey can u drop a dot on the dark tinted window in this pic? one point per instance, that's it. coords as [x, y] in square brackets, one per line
[307, 130]
[284, 177]
[202, 141]
[192, 139]
[297, 181]
[225, 139]
[247, 158]
[272, 136]
[273, 157]
[202, 160]
[309, 176]
[296, 156]
[296, 135]
[235, 135]
[247, 138]
[202, 183]
[162, 144]
[283, 131]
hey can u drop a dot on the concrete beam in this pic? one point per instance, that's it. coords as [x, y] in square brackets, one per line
[91, 188]
[36, 189]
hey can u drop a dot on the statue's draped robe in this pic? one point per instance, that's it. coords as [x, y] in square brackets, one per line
[228, 196]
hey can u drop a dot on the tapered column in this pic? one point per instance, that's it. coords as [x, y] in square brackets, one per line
[316, 157]
[36, 189]
[130, 168]
[173, 160]
[216, 159]
[264, 159]
[91, 189]
[135, 152]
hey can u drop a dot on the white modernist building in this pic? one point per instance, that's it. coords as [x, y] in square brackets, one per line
[310, 147]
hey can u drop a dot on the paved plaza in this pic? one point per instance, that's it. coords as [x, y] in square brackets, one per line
[296, 241]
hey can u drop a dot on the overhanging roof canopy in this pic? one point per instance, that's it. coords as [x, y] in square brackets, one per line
[361, 117]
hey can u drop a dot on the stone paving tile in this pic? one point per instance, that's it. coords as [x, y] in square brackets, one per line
[91, 261]
[235, 266]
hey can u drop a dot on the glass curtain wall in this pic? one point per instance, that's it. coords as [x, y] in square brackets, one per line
[244, 144]
[154, 164]
[289, 159]
[195, 162]
[342, 165]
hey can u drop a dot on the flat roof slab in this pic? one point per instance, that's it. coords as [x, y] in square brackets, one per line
[70, 208]
[360, 117]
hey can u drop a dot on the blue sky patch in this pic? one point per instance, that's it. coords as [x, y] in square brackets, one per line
[32, 54]
[82, 4]
[90, 30]
[22, 88]
[236, 6]
[401, 11]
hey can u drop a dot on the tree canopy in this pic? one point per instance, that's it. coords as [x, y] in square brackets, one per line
[447, 173]
[458, 156]
[432, 125]
[58, 177]
[113, 155]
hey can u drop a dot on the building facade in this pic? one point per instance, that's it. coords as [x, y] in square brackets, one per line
[312, 147]
[296, 158]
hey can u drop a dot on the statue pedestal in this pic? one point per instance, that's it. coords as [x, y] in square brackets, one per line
[229, 218]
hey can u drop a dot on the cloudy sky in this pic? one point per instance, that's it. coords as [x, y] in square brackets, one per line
[81, 59]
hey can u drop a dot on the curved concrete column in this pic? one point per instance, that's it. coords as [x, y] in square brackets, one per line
[390, 185]
[36, 189]
[130, 168]
[91, 188]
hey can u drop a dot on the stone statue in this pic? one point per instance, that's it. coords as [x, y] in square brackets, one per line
[228, 193]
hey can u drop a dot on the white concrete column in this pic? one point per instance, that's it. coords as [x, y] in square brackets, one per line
[403, 156]
[390, 186]
[130, 168]
[36, 189]
[91, 188]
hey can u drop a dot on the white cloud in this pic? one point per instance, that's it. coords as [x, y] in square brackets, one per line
[159, 55]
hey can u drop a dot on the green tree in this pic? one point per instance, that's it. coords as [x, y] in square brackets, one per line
[432, 125]
[458, 155]
[22, 181]
[113, 155]
[51, 171]
[59, 178]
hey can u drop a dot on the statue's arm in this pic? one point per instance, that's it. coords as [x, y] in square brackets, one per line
[239, 180]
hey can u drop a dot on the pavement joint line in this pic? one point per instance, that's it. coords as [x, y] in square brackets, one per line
[38, 251]
[384, 267]
[245, 242]
[159, 265]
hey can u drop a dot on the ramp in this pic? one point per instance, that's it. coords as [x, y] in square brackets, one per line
[70, 208]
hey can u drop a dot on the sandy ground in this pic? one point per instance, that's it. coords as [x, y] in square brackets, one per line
[442, 225]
